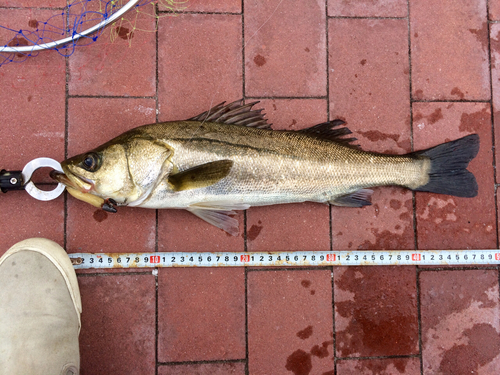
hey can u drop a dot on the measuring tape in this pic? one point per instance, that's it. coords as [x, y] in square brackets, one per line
[287, 259]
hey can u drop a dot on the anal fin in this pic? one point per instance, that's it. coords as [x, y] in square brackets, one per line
[359, 198]
[219, 214]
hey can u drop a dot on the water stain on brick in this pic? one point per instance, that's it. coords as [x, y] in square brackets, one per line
[305, 283]
[254, 232]
[259, 60]
[382, 321]
[395, 204]
[482, 347]
[100, 215]
[481, 35]
[473, 122]
[419, 94]
[30, 98]
[305, 333]
[388, 240]
[435, 116]
[456, 91]
[299, 362]
[363, 62]
[321, 351]
[124, 33]
[329, 373]
[375, 135]
[33, 23]
[307, 49]
[379, 367]
[17, 42]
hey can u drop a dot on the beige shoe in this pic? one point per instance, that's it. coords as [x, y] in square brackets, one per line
[40, 310]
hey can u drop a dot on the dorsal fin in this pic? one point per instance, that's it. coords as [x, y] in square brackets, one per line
[235, 113]
[331, 131]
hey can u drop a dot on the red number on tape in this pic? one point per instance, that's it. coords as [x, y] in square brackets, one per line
[497, 256]
[415, 257]
[330, 257]
[245, 258]
[154, 259]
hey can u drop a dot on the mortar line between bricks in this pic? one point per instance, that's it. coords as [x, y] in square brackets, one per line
[327, 38]
[286, 97]
[111, 97]
[247, 353]
[215, 361]
[412, 139]
[419, 321]
[365, 18]
[334, 338]
[102, 274]
[492, 119]
[66, 133]
[281, 269]
[173, 12]
[156, 213]
[437, 269]
[450, 100]
[378, 357]
[33, 8]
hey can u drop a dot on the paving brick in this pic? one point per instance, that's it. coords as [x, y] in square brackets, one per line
[446, 222]
[201, 314]
[28, 3]
[94, 121]
[118, 324]
[495, 77]
[494, 10]
[276, 228]
[290, 322]
[392, 366]
[180, 230]
[374, 315]
[285, 48]
[460, 322]
[33, 99]
[449, 47]
[122, 60]
[221, 6]
[376, 8]
[369, 88]
[24, 217]
[198, 54]
[231, 368]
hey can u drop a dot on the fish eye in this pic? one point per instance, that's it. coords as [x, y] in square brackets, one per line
[91, 162]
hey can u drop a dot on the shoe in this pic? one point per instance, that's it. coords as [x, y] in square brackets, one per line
[40, 310]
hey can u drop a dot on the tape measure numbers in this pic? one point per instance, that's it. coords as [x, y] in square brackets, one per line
[287, 259]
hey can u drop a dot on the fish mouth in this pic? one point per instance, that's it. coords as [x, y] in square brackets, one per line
[69, 180]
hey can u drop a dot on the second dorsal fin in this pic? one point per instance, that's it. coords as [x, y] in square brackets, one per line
[331, 131]
[235, 113]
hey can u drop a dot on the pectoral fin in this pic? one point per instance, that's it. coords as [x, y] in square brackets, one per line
[200, 176]
[359, 198]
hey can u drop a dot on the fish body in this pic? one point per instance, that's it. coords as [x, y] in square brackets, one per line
[228, 158]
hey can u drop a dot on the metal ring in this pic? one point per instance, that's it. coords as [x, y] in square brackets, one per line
[30, 187]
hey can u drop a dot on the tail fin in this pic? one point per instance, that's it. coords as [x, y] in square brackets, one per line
[448, 174]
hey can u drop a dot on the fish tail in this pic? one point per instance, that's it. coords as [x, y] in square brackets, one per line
[448, 173]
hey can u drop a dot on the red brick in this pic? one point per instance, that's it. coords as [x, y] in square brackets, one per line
[279, 227]
[33, 99]
[118, 324]
[121, 61]
[24, 217]
[392, 366]
[369, 88]
[460, 322]
[494, 10]
[376, 8]
[221, 6]
[180, 230]
[199, 63]
[374, 315]
[446, 222]
[230, 368]
[201, 314]
[449, 47]
[290, 322]
[28, 3]
[495, 76]
[285, 48]
[94, 121]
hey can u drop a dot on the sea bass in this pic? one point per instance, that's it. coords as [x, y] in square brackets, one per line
[229, 158]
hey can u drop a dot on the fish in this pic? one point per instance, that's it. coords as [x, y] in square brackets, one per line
[229, 158]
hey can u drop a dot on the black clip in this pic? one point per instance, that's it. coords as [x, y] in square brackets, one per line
[11, 180]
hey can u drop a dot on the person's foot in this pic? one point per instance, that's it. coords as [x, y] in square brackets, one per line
[40, 310]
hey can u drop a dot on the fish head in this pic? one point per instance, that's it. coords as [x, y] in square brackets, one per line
[124, 171]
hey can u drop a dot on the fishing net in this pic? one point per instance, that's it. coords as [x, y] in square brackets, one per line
[78, 24]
